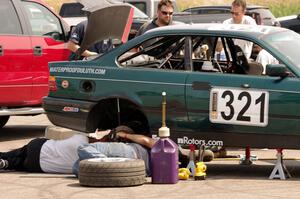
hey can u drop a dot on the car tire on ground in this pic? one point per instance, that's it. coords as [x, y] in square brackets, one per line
[3, 120]
[111, 172]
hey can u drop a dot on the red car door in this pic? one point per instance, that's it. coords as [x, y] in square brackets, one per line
[15, 59]
[47, 44]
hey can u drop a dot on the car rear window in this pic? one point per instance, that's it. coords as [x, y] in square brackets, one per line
[264, 13]
[72, 10]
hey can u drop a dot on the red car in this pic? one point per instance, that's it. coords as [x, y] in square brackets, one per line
[31, 35]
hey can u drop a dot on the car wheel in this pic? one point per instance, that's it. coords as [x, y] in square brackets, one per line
[111, 172]
[3, 120]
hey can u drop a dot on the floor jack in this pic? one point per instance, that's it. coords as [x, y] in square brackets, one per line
[280, 171]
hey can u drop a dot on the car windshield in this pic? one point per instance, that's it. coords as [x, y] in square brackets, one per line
[287, 42]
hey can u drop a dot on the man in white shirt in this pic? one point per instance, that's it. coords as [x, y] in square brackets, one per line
[238, 10]
[44, 155]
[265, 58]
[59, 156]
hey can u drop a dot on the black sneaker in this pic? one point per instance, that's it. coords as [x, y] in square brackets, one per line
[3, 164]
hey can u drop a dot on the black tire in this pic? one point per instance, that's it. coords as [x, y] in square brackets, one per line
[110, 173]
[3, 120]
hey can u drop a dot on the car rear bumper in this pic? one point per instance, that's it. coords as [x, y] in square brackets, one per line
[73, 114]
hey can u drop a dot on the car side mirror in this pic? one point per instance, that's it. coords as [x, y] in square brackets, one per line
[298, 17]
[277, 70]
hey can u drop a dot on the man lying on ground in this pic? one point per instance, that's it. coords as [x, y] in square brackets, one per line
[47, 155]
[63, 156]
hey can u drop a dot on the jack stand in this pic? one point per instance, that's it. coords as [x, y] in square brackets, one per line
[280, 171]
[247, 160]
[191, 165]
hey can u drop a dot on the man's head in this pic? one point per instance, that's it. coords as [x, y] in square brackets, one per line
[238, 9]
[164, 12]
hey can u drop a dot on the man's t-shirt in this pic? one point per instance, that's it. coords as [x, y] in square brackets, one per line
[58, 156]
[265, 58]
[77, 37]
[151, 25]
[146, 26]
[246, 20]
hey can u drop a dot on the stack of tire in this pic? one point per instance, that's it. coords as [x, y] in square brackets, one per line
[111, 172]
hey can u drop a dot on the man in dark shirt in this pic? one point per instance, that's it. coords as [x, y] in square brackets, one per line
[76, 40]
[164, 17]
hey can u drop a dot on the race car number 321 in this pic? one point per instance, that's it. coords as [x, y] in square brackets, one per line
[238, 106]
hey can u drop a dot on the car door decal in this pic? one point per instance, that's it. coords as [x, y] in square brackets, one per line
[239, 106]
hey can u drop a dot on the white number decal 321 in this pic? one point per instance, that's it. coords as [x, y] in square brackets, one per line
[238, 106]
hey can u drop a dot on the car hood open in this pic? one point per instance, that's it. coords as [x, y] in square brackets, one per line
[106, 20]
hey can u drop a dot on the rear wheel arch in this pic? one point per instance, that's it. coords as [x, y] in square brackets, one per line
[104, 115]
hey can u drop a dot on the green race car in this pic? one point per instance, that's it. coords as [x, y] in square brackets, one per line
[217, 94]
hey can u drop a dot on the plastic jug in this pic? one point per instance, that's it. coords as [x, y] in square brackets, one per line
[164, 160]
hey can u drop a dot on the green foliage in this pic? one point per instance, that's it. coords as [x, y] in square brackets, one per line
[278, 7]
[285, 9]
[55, 4]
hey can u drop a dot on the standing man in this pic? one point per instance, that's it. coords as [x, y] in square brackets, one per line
[76, 40]
[238, 10]
[164, 17]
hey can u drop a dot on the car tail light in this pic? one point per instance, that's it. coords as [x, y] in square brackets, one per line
[52, 83]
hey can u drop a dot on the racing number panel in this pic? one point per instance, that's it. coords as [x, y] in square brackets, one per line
[239, 106]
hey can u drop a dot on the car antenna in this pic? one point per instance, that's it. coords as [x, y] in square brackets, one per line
[164, 103]
[119, 111]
